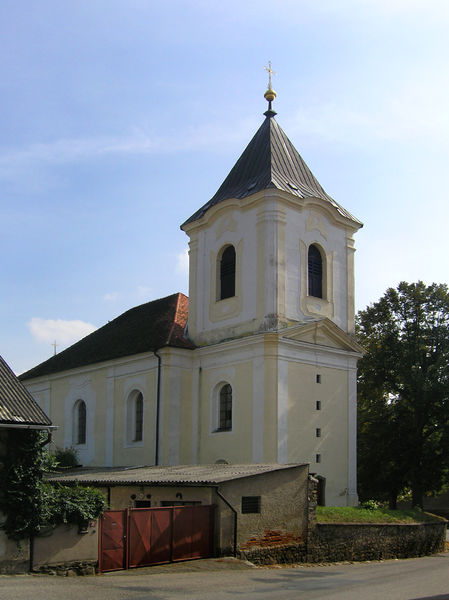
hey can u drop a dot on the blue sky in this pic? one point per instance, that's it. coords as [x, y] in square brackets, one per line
[121, 117]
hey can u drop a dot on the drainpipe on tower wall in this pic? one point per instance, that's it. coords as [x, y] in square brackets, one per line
[158, 405]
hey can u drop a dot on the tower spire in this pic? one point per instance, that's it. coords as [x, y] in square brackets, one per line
[270, 94]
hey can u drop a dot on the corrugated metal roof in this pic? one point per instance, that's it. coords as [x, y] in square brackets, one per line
[270, 161]
[143, 328]
[183, 474]
[17, 406]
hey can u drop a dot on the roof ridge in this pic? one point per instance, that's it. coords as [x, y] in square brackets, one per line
[142, 328]
[170, 333]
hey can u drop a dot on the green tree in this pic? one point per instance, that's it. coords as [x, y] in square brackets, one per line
[30, 503]
[403, 393]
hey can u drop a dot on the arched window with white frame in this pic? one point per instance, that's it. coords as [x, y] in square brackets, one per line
[79, 423]
[223, 417]
[315, 271]
[226, 273]
[134, 417]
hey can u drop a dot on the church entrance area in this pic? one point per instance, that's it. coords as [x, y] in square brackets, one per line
[140, 537]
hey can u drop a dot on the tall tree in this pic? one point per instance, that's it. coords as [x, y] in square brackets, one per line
[403, 392]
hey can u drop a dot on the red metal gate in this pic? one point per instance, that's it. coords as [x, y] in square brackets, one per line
[150, 536]
[150, 533]
[193, 529]
[112, 540]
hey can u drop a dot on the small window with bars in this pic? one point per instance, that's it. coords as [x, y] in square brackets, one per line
[142, 503]
[250, 504]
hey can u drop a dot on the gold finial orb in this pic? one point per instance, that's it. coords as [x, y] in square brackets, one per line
[269, 95]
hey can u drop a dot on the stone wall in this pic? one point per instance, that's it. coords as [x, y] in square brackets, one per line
[331, 542]
[14, 556]
[65, 545]
[271, 555]
[334, 542]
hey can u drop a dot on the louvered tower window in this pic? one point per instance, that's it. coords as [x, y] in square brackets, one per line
[315, 272]
[227, 273]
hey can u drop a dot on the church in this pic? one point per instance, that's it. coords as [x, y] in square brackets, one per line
[257, 366]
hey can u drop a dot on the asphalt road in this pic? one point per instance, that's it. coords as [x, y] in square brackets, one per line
[413, 579]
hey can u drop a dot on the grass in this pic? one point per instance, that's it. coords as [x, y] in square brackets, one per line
[352, 514]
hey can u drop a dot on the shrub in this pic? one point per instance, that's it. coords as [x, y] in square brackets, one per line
[66, 457]
[371, 505]
[28, 502]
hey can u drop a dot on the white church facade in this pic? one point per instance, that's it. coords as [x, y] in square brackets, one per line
[258, 365]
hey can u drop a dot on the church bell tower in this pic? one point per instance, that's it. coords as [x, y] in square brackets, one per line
[271, 248]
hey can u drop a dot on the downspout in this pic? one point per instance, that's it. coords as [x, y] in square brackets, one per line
[31, 552]
[158, 405]
[48, 440]
[220, 495]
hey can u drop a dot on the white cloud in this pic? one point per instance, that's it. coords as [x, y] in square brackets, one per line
[59, 330]
[182, 262]
[65, 151]
[429, 9]
[144, 291]
[110, 296]
[414, 111]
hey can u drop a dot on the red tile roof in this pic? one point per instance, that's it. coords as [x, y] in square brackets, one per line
[144, 328]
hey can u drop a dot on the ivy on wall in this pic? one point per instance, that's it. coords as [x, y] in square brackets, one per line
[28, 502]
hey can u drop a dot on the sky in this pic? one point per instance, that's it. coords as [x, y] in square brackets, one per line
[120, 118]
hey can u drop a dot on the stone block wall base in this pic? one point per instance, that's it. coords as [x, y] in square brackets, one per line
[68, 569]
[272, 555]
[14, 567]
[351, 542]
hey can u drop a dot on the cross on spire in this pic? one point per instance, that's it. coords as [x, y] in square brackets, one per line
[270, 73]
[270, 94]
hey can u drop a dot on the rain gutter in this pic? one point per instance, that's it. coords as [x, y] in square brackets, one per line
[158, 405]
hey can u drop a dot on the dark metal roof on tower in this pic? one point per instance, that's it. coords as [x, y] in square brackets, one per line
[269, 161]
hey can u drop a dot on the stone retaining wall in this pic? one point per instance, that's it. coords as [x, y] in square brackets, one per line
[331, 542]
[70, 569]
[271, 555]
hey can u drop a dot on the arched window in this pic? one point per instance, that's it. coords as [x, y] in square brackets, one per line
[79, 422]
[225, 408]
[138, 425]
[315, 272]
[134, 417]
[227, 273]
